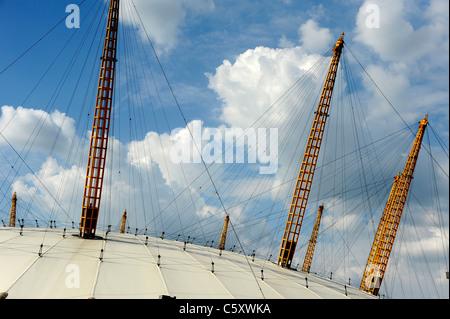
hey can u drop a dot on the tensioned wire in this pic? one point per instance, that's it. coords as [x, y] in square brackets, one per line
[233, 169]
[288, 195]
[39, 40]
[136, 52]
[190, 132]
[364, 185]
[132, 55]
[39, 125]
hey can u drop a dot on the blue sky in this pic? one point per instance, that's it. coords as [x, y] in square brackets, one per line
[227, 61]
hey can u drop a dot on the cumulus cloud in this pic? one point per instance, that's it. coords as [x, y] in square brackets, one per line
[36, 130]
[256, 80]
[314, 38]
[164, 19]
[51, 190]
[413, 71]
[395, 38]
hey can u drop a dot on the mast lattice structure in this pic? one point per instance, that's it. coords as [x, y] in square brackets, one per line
[100, 127]
[124, 221]
[308, 166]
[390, 219]
[223, 237]
[312, 242]
[12, 215]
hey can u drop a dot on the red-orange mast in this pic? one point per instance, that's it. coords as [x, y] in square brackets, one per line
[100, 127]
[306, 174]
[12, 215]
[123, 223]
[223, 237]
[387, 229]
[312, 242]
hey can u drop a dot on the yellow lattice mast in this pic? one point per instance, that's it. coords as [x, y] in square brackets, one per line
[223, 238]
[100, 127]
[305, 177]
[124, 221]
[390, 219]
[12, 215]
[312, 242]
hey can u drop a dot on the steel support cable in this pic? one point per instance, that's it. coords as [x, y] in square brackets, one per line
[40, 39]
[317, 190]
[70, 101]
[132, 85]
[139, 118]
[171, 184]
[435, 190]
[297, 147]
[350, 81]
[418, 238]
[32, 172]
[229, 171]
[185, 121]
[291, 102]
[283, 106]
[153, 111]
[271, 107]
[45, 72]
[43, 120]
[23, 158]
[86, 97]
[23, 161]
[392, 106]
[131, 56]
[440, 141]
[60, 85]
[425, 258]
[43, 171]
[29, 94]
[142, 126]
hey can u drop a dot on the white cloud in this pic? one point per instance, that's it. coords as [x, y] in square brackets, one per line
[37, 130]
[163, 19]
[285, 43]
[314, 38]
[396, 39]
[412, 44]
[256, 80]
[51, 189]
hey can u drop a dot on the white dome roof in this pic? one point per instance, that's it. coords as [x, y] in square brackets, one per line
[70, 267]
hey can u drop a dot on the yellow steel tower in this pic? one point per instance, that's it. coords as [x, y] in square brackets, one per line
[12, 215]
[124, 221]
[312, 242]
[223, 238]
[100, 127]
[305, 177]
[390, 219]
